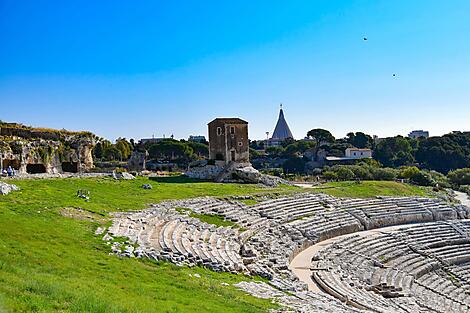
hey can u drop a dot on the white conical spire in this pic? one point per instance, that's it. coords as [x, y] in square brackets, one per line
[282, 130]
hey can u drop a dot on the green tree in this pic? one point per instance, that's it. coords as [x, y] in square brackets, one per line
[294, 165]
[394, 152]
[360, 140]
[124, 147]
[170, 150]
[320, 136]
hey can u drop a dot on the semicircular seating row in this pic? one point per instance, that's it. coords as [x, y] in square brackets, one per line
[271, 232]
[422, 268]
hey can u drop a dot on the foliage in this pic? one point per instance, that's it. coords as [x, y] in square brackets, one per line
[320, 136]
[445, 153]
[124, 147]
[200, 150]
[394, 152]
[459, 177]
[169, 150]
[344, 173]
[294, 165]
[360, 140]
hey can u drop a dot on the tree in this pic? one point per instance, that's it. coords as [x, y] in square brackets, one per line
[294, 165]
[445, 153]
[170, 150]
[360, 140]
[124, 147]
[321, 136]
[111, 153]
[394, 152]
[200, 150]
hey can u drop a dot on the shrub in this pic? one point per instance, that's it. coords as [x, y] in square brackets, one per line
[459, 177]
[361, 172]
[330, 175]
[344, 173]
[384, 174]
[408, 172]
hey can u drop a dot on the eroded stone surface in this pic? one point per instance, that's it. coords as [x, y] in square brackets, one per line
[7, 188]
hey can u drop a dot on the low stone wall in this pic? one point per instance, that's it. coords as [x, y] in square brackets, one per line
[208, 172]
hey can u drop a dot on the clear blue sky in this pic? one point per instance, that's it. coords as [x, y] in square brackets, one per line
[137, 68]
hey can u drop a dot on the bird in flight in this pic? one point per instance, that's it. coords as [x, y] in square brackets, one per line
[365, 38]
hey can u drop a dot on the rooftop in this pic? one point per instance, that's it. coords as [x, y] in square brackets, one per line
[229, 120]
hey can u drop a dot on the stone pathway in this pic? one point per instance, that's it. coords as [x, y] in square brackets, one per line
[462, 197]
[302, 262]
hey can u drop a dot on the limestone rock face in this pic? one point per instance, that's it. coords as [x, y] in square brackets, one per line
[137, 161]
[233, 172]
[51, 152]
[7, 188]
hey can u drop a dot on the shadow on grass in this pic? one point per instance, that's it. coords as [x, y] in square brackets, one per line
[176, 180]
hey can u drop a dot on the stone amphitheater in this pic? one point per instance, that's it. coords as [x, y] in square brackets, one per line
[319, 253]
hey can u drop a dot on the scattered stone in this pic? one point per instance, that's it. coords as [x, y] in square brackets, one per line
[146, 186]
[7, 188]
[123, 175]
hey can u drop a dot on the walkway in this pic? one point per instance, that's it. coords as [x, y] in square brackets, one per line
[301, 264]
[462, 197]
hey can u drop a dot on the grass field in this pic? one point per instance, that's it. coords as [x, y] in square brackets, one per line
[368, 189]
[51, 263]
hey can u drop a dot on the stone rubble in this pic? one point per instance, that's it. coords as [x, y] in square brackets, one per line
[7, 188]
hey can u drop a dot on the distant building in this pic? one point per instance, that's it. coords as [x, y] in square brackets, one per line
[418, 134]
[281, 131]
[145, 141]
[228, 140]
[358, 153]
[200, 139]
[351, 154]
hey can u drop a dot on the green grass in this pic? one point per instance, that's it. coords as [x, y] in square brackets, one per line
[249, 202]
[214, 219]
[53, 263]
[369, 189]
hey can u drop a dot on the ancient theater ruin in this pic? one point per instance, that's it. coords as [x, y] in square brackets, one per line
[30, 150]
[387, 254]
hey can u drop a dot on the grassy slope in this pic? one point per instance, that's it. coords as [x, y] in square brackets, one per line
[368, 189]
[50, 263]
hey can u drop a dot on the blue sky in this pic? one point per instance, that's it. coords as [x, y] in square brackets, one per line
[137, 68]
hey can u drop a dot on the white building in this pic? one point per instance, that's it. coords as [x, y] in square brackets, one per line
[356, 153]
[418, 133]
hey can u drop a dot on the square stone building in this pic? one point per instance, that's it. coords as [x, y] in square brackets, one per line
[228, 140]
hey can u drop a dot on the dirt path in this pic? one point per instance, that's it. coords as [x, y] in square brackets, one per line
[301, 264]
[462, 197]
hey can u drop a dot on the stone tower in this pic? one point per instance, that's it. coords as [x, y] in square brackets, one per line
[228, 140]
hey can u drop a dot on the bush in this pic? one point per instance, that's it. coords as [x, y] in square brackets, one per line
[345, 173]
[459, 177]
[384, 174]
[423, 179]
[361, 172]
[407, 172]
[330, 175]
